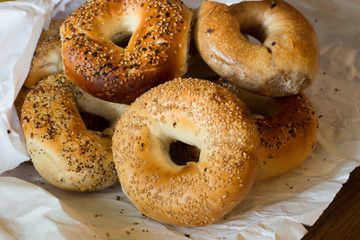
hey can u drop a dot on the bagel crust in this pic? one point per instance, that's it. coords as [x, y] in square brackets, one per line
[286, 61]
[156, 52]
[62, 149]
[198, 113]
[288, 135]
[47, 57]
[287, 126]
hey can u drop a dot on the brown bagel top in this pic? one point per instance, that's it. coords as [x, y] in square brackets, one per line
[286, 60]
[156, 51]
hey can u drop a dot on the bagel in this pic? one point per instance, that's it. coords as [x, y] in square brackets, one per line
[47, 57]
[62, 149]
[287, 126]
[20, 99]
[156, 52]
[198, 113]
[288, 135]
[286, 61]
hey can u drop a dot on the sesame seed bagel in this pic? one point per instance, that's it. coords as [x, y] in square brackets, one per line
[62, 149]
[286, 61]
[198, 113]
[156, 52]
[287, 126]
[47, 57]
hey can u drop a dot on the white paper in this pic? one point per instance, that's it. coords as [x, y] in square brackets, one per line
[274, 209]
[40, 212]
[20, 26]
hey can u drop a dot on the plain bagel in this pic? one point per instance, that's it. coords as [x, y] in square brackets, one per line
[62, 149]
[156, 52]
[199, 113]
[286, 61]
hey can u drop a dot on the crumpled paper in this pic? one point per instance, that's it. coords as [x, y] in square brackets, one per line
[274, 209]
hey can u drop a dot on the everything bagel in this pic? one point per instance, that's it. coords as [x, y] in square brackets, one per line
[287, 127]
[288, 135]
[156, 52]
[62, 149]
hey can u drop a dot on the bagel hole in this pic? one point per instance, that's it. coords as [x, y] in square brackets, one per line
[181, 153]
[252, 39]
[94, 122]
[254, 33]
[256, 116]
[121, 39]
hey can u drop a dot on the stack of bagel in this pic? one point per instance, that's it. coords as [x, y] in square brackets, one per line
[127, 61]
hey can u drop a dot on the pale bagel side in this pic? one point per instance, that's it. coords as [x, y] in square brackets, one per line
[47, 57]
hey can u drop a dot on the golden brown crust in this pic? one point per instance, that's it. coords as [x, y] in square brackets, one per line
[47, 56]
[198, 113]
[20, 99]
[156, 52]
[288, 136]
[62, 149]
[287, 126]
[286, 62]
